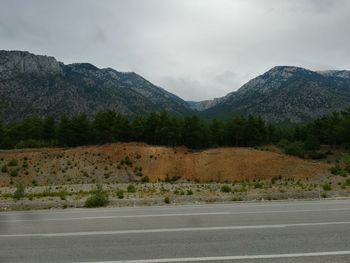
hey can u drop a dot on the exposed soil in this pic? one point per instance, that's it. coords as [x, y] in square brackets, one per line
[126, 162]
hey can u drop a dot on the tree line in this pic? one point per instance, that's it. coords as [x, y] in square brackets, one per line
[155, 129]
[164, 129]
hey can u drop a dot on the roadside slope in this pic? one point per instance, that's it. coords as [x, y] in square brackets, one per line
[124, 162]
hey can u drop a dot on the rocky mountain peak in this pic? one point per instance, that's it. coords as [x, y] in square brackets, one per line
[34, 85]
[23, 62]
[286, 94]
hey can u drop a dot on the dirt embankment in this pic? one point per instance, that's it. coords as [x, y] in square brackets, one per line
[126, 162]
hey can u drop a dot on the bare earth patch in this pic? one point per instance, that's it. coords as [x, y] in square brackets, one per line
[125, 162]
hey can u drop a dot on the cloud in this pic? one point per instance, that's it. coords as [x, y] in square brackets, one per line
[198, 49]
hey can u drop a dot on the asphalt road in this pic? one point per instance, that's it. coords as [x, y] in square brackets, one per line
[298, 231]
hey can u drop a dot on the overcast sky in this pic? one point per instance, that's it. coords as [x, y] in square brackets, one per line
[197, 49]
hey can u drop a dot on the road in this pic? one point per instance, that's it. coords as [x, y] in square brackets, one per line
[290, 231]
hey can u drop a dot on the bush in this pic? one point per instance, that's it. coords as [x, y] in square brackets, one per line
[167, 200]
[327, 187]
[127, 161]
[189, 192]
[335, 170]
[347, 182]
[345, 161]
[317, 155]
[293, 148]
[14, 173]
[12, 162]
[226, 189]
[4, 169]
[20, 192]
[258, 185]
[120, 193]
[131, 188]
[311, 143]
[145, 179]
[32, 144]
[98, 198]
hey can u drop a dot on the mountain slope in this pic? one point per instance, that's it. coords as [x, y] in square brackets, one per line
[287, 95]
[33, 85]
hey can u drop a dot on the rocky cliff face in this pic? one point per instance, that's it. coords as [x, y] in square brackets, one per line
[287, 95]
[32, 85]
[13, 63]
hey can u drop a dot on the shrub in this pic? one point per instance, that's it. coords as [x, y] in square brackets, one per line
[347, 182]
[14, 173]
[127, 161]
[167, 200]
[131, 188]
[98, 198]
[32, 144]
[317, 155]
[226, 188]
[145, 179]
[327, 187]
[139, 174]
[189, 192]
[292, 148]
[20, 192]
[295, 149]
[120, 193]
[311, 143]
[345, 161]
[25, 165]
[258, 185]
[335, 170]
[12, 162]
[4, 169]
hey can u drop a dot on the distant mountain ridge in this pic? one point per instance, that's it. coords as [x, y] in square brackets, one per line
[35, 85]
[287, 94]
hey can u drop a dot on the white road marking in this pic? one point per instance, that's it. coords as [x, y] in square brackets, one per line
[273, 203]
[161, 230]
[226, 258]
[178, 214]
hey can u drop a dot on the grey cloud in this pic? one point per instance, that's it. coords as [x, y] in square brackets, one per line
[198, 49]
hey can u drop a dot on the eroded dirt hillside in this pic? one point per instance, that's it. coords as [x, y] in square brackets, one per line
[134, 162]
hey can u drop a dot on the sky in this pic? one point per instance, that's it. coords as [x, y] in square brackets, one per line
[196, 49]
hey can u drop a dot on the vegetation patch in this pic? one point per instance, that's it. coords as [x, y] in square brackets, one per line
[98, 198]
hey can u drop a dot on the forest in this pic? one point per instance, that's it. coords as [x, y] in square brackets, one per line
[164, 129]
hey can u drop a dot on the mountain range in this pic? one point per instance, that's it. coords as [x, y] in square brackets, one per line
[32, 85]
[286, 94]
[35, 85]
